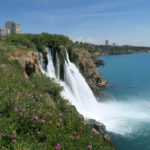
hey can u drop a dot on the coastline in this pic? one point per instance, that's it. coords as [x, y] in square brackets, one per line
[131, 91]
[107, 54]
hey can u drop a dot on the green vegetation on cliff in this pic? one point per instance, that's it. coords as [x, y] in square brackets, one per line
[33, 115]
[39, 41]
[57, 44]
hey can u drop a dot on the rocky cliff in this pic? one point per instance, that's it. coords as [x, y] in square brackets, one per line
[89, 70]
[29, 61]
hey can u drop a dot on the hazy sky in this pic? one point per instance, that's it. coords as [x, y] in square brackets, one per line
[120, 21]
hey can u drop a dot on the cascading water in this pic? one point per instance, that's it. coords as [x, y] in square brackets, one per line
[57, 66]
[42, 66]
[77, 91]
[50, 66]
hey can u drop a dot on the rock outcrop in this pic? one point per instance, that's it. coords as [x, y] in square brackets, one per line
[89, 70]
[100, 129]
[98, 62]
[29, 61]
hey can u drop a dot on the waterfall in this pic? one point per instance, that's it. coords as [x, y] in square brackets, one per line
[50, 66]
[119, 117]
[42, 66]
[76, 90]
[57, 66]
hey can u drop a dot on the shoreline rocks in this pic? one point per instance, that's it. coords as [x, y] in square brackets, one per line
[100, 129]
[99, 62]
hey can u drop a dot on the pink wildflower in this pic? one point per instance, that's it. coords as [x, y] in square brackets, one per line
[19, 82]
[36, 117]
[26, 94]
[90, 146]
[14, 135]
[39, 105]
[81, 128]
[21, 114]
[50, 122]
[72, 137]
[60, 114]
[17, 110]
[51, 114]
[75, 132]
[58, 146]
[91, 137]
[58, 125]
[60, 119]
[27, 133]
[39, 132]
[14, 141]
[34, 101]
[43, 121]
[78, 137]
[15, 90]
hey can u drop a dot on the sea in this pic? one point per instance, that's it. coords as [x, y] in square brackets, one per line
[128, 106]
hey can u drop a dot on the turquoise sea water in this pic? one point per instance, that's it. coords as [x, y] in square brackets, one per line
[129, 76]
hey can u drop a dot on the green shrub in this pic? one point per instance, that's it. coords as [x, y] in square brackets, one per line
[46, 85]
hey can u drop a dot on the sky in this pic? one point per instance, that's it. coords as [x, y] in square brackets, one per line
[124, 22]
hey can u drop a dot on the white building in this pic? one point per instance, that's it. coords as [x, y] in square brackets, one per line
[3, 32]
[14, 27]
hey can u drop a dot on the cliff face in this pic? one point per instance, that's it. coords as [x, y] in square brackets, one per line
[29, 61]
[89, 70]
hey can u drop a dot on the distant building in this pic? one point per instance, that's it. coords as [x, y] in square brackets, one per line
[114, 44]
[106, 42]
[3, 32]
[14, 27]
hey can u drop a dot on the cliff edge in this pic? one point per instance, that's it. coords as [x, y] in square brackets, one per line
[89, 70]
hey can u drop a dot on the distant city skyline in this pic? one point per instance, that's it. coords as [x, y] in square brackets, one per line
[125, 22]
[10, 27]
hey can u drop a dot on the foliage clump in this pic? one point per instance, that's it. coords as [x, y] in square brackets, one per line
[58, 44]
[39, 42]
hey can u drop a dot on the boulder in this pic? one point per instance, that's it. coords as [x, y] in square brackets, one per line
[99, 62]
[99, 128]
